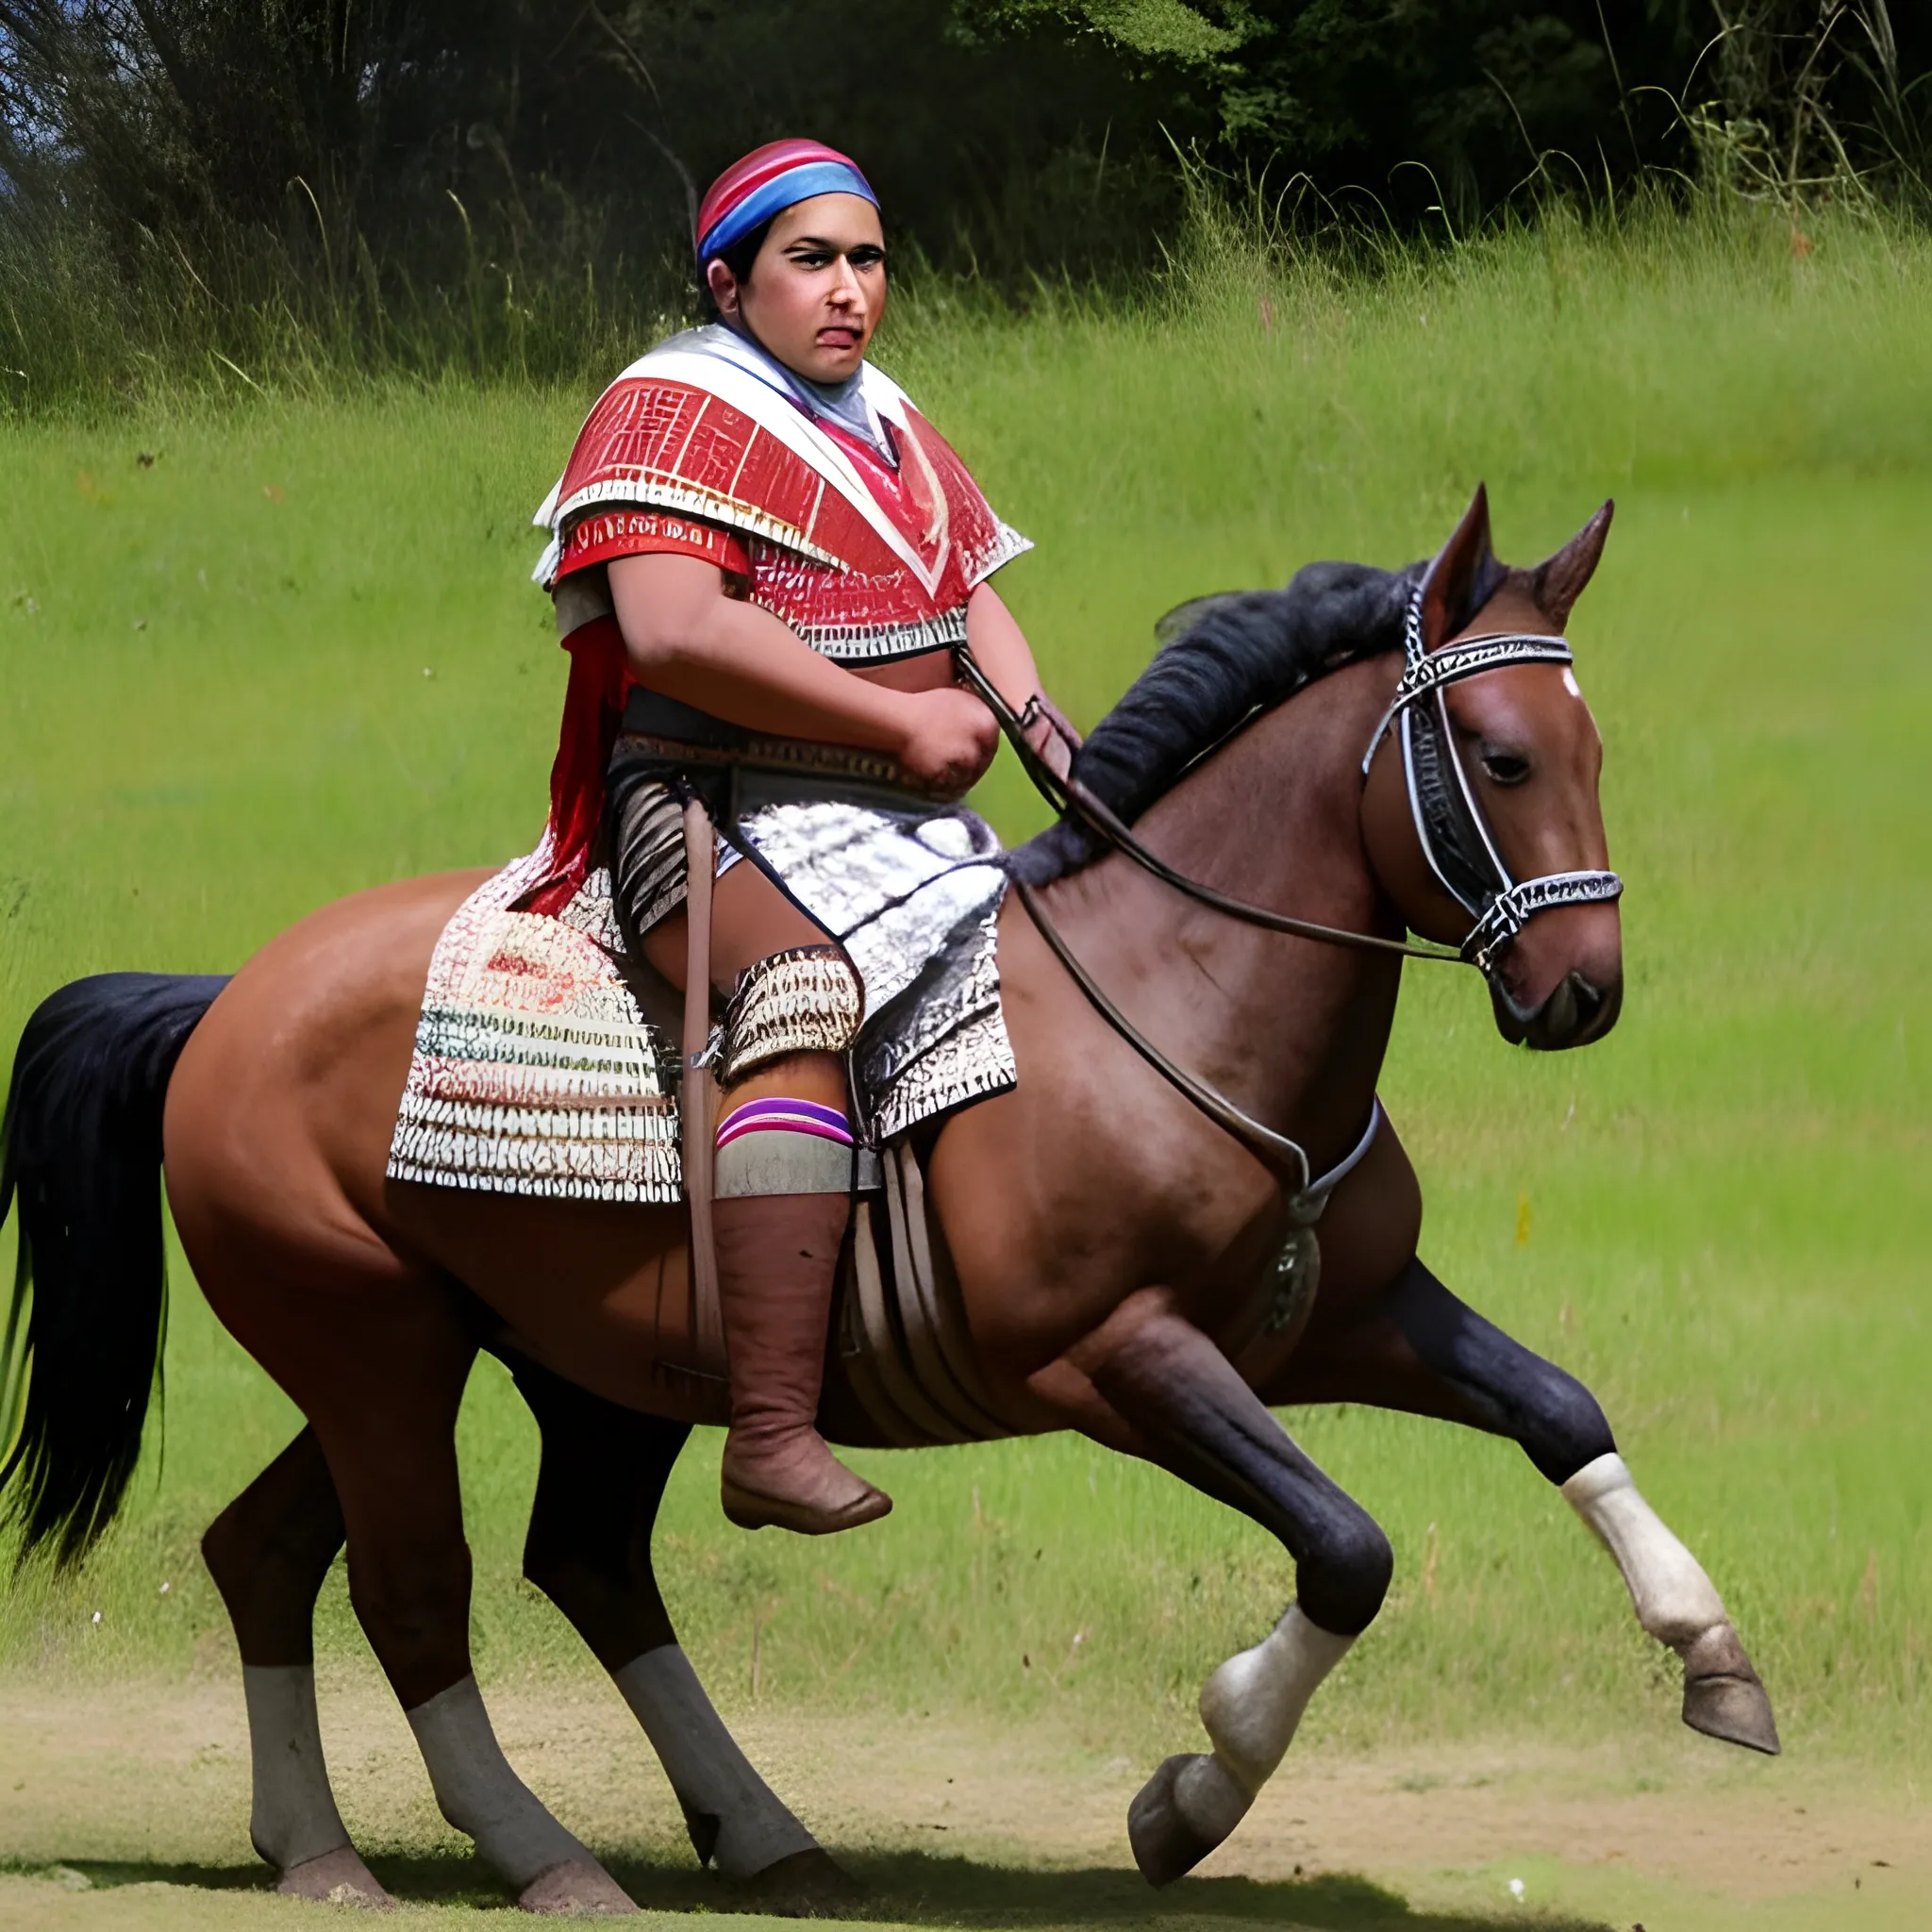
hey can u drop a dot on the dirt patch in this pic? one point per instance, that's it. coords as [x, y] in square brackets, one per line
[129, 1805]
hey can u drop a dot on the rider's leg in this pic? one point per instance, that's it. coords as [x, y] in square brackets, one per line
[1190, 1411]
[1419, 1347]
[268, 1552]
[589, 1550]
[781, 1201]
[781, 1197]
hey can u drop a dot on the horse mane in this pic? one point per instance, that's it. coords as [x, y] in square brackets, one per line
[1222, 660]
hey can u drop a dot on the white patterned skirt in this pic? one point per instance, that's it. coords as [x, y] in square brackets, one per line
[910, 891]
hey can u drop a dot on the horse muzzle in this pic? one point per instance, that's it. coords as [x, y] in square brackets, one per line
[1560, 982]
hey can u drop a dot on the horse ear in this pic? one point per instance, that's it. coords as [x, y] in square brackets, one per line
[1455, 587]
[1560, 579]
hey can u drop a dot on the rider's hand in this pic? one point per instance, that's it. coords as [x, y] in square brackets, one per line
[949, 743]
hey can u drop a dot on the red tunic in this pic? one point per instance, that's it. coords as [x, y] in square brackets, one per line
[690, 452]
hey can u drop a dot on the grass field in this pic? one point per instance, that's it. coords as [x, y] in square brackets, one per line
[298, 655]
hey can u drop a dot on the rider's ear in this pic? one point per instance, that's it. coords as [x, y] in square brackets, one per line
[723, 286]
[1463, 578]
[1560, 579]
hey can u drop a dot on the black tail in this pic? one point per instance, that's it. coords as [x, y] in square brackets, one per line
[81, 1144]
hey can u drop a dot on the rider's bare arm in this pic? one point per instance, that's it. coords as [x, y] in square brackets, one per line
[687, 638]
[1000, 649]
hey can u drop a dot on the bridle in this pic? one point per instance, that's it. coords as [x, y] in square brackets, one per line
[1449, 822]
[1456, 840]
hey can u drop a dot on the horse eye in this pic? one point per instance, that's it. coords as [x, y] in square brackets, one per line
[1505, 767]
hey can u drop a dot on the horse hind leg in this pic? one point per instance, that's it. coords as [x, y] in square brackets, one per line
[599, 1485]
[380, 1377]
[268, 1553]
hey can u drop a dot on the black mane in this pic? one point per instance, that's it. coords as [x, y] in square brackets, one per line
[1233, 656]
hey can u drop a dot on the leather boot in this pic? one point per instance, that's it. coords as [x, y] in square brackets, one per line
[777, 1256]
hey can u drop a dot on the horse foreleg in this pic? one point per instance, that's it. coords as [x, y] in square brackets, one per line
[1423, 1350]
[1183, 1400]
[268, 1553]
[589, 1550]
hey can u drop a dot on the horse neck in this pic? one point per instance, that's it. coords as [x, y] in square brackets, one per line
[1294, 1031]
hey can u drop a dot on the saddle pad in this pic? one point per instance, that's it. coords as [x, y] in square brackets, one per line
[535, 1071]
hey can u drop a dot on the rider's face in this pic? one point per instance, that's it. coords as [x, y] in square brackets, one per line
[817, 288]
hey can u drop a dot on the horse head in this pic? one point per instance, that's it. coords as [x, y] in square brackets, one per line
[1487, 776]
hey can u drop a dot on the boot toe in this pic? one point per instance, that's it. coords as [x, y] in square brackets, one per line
[809, 1514]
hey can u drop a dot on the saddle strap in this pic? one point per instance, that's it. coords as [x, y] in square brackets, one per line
[697, 1106]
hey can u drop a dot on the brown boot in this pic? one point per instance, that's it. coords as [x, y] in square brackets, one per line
[778, 1256]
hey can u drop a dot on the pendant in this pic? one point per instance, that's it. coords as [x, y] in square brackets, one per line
[1295, 1274]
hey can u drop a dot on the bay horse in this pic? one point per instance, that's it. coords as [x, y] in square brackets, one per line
[1117, 1226]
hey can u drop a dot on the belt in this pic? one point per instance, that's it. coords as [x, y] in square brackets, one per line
[659, 730]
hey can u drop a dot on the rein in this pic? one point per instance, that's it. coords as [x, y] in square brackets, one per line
[1456, 841]
[1073, 800]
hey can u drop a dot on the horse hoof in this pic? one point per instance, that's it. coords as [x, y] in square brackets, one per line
[577, 1888]
[1166, 1846]
[1724, 1697]
[805, 1884]
[337, 1878]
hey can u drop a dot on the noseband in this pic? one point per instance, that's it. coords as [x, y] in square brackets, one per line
[1449, 822]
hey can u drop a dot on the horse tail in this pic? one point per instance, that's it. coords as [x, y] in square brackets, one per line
[80, 1148]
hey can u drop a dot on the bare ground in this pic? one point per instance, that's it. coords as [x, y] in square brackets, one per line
[128, 1807]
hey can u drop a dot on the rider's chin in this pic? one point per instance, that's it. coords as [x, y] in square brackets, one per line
[1562, 986]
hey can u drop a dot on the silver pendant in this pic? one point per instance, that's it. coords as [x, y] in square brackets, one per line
[1295, 1274]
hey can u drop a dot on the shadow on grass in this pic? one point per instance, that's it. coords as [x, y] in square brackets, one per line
[909, 1887]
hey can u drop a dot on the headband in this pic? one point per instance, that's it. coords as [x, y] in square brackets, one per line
[766, 182]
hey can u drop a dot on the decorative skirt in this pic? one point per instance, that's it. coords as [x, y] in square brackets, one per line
[910, 891]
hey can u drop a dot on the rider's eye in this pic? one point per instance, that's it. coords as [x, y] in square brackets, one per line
[1505, 767]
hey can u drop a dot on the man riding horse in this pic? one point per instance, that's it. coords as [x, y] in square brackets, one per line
[758, 533]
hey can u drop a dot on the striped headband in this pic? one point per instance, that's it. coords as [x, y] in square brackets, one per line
[766, 182]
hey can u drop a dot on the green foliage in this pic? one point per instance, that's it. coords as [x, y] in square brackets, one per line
[216, 716]
[367, 174]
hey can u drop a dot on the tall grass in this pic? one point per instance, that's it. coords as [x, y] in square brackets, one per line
[297, 654]
[309, 310]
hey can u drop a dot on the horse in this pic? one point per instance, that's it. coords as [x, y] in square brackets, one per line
[1278, 800]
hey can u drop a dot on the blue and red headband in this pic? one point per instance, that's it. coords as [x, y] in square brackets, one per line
[767, 181]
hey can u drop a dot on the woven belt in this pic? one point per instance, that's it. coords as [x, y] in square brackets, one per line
[658, 730]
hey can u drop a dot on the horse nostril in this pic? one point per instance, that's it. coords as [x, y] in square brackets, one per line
[1588, 1002]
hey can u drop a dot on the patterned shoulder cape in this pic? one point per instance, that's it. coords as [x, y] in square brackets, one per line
[697, 428]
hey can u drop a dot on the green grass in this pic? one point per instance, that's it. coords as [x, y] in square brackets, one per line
[298, 654]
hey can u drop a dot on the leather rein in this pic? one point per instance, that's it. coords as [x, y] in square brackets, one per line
[1456, 844]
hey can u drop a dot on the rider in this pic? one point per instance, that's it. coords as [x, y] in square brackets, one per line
[757, 534]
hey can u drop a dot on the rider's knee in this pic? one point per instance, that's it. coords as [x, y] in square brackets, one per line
[805, 1003]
